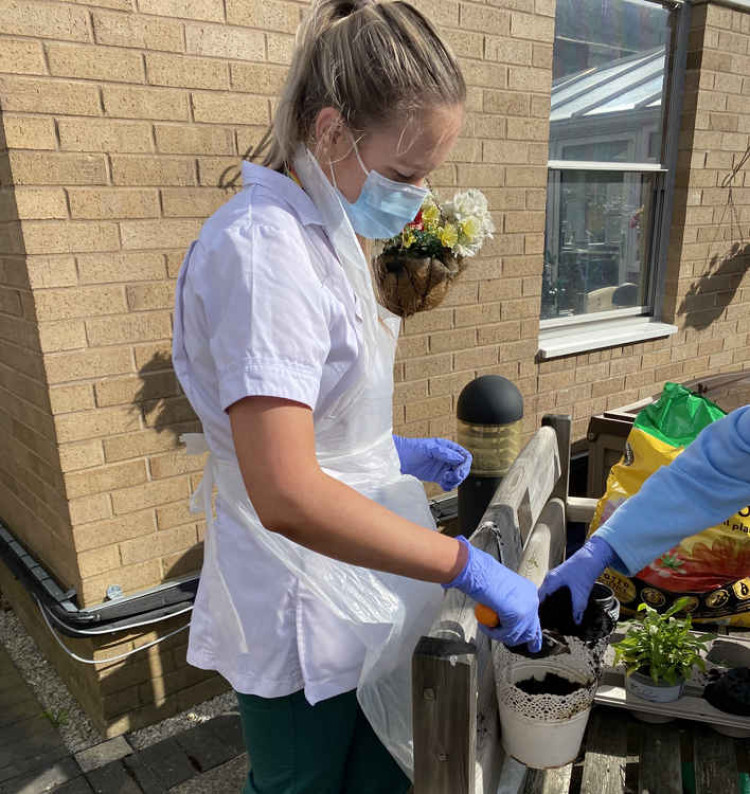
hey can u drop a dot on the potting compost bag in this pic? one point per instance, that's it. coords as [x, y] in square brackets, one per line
[711, 568]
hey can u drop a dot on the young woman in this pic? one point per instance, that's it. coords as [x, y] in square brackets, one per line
[322, 564]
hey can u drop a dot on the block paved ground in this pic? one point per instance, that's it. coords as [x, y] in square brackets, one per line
[33, 759]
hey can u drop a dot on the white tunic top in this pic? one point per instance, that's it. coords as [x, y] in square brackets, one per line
[259, 316]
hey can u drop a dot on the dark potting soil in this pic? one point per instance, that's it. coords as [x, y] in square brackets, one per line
[731, 693]
[556, 615]
[551, 684]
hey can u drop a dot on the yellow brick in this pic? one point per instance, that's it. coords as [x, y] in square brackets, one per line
[508, 103]
[159, 171]
[164, 413]
[132, 102]
[487, 20]
[62, 367]
[258, 78]
[56, 168]
[81, 456]
[137, 31]
[182, 564]
[105, 479]
[89, 508]
[137, 444]
[159, 234]
[112, 203]
[221, 172]
[150, 296]
[128, 328]
[146, 386]
[527, 130]
[151, 494]
[28, 132]
[210, 10]
[130, 577]
[175, 463]
[159, 544]
[439, 12]
[20, 56]
[221, 41]
[181, 71]
[116, 530]
[44, 20]
[192, 203]
[264, 14]
[95, 63]
[481, 176]
[425, 409]
[62, 335]
[174, 515]
[153, 356]
[529, 79]
[229, 108]
[184, 139]
[465, 43]
[53, 237]
[95, 424]
[105, 136]
[505, 151]
[118, 267]
[48, 96]
[51, 271]
[455, 339]
[280, 48]
[41, 203]
[61, 304]
[530, 26]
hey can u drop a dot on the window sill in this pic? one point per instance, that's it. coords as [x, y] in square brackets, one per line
[561, 341]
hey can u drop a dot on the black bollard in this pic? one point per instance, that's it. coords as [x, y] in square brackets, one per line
[490, 410]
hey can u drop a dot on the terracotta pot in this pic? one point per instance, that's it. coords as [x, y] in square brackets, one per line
[408, 284]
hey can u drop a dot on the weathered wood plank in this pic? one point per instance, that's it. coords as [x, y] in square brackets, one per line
[444, 683]
[715, 762]
[562, 424]
[581, 509]
[606, 754]
[549, 781]
[660, 767]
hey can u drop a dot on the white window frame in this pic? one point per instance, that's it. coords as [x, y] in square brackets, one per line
[562, 336]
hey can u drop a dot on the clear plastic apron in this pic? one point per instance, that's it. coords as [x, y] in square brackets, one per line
[354, 444]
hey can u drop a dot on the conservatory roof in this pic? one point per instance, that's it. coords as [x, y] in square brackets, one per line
[628, 83]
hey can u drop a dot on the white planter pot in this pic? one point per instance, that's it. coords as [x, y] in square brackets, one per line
[643, 687]
[539, 742]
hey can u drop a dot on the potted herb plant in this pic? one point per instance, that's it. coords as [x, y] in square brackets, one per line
[659, 652]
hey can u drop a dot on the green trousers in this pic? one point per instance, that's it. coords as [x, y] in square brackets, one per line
[328, 748]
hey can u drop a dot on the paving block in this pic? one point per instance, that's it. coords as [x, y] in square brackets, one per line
[204, 748]
[101, 754]
[145, 778]
[10, 715]
[229, 777]
[47, 780]
[168, 762]
[78, 786]
[228, 728]
[112, 779]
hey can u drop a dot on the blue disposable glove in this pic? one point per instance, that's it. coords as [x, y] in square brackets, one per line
[579, 573]
[513, 597]
[433, 460]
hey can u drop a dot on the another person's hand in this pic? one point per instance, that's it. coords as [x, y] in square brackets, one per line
[579, 574]
[513, 597]
[433, 460]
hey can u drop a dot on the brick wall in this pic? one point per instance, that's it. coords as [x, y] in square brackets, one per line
[121, 121]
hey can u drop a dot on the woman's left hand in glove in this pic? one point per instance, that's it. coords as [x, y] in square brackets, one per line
[433, 460]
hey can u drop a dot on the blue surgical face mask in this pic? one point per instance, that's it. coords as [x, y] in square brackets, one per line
[384, 206]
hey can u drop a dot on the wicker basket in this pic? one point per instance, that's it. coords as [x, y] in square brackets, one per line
[408, 284]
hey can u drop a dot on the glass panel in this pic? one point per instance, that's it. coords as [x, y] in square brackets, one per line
[608, 79]
[599, 226]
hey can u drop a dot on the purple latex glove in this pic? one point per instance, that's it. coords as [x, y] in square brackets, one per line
[433, 460]
[579, 573]
[514, 598]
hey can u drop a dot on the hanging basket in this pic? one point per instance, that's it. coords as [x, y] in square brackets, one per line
[409, 284]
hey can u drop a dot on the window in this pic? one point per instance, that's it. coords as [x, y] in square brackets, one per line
[610, 145]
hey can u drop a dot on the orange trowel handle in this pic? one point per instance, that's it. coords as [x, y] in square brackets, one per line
[486, 616]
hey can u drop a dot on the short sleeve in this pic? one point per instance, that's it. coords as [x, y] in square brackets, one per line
[267, 312]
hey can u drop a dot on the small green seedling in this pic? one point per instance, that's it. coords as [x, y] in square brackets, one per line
[661, 645]
[57, 717]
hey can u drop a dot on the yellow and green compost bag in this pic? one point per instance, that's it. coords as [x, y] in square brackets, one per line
[711, 568]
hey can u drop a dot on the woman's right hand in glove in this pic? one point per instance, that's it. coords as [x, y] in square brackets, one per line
[512, 597]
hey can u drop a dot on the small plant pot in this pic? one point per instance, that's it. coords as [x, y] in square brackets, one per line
[604, 596]
[643, 687]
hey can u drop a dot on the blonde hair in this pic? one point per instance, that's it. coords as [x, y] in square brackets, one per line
[372, 62]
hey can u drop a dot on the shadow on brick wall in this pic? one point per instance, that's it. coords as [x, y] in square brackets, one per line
[710, 295]
[160, 400]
